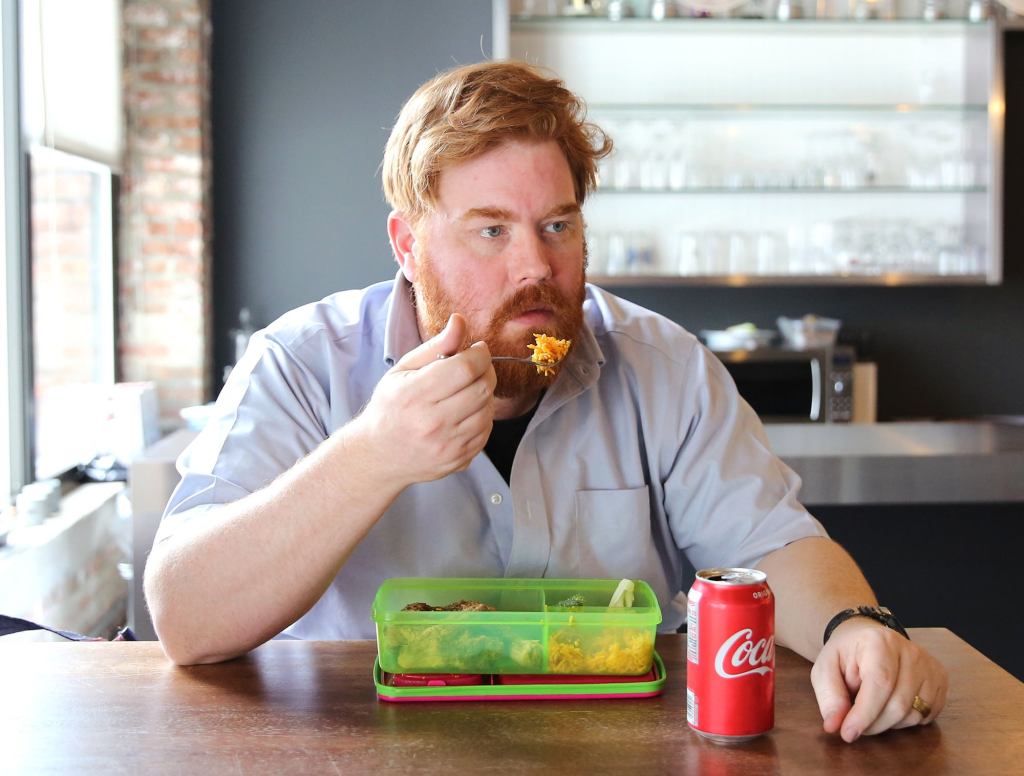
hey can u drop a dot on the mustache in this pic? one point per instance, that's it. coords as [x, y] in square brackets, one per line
[530, 298]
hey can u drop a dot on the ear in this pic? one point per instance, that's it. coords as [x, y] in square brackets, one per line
[403, 243]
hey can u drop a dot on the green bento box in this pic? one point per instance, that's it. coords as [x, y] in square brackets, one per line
[534, 628]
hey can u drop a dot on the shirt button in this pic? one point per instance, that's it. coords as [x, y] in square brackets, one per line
[495, 498]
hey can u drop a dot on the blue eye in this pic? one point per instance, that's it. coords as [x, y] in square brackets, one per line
[491, 231]
[558, 227]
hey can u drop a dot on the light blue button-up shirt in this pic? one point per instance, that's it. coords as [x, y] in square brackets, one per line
[641, 460]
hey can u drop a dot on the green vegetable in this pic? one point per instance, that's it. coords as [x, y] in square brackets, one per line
[576, 599]
[623, 595]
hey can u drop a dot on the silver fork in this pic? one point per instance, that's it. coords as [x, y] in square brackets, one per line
[522, 360]
[529, 360]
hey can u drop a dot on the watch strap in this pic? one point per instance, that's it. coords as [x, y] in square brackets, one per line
[879, 614]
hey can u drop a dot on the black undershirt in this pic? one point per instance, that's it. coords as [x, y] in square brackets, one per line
[504, 441]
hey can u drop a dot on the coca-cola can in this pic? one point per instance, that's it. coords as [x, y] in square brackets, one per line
[730, 655]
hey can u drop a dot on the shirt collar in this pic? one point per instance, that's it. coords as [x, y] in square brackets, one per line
[401, 331]
[583, 365]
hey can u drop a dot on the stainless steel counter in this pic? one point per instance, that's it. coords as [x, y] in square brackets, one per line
[879, 463]
[904, 463]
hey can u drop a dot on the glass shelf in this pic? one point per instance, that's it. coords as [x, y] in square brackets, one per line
[798, 190]
[739, 281]
[766, 110]
[680, 23]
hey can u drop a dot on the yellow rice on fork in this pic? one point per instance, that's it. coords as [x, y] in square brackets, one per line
[548, 350]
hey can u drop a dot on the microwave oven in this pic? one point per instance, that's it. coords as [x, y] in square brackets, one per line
[785, 385]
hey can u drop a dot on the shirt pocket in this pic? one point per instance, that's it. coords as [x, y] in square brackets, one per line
[613, 533]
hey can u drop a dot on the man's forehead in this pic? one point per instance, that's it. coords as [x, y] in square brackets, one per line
[517, 175]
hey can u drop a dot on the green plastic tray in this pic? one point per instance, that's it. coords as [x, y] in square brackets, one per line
[647, 686]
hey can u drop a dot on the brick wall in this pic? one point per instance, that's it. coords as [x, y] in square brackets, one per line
[165, 321]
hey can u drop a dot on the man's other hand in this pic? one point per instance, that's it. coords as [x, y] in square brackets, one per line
[432, 412]
[867, 677]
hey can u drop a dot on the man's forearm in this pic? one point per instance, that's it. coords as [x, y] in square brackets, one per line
[812, 579]
[230, 583]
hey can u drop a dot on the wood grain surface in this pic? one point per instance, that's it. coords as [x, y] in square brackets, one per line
[310, 707]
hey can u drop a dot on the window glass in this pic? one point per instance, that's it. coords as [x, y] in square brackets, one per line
[5, 427]
[5, 403]
[71, 227]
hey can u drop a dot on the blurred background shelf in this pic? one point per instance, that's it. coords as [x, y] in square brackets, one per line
[902, 117]
[881, 279]
[677, 24]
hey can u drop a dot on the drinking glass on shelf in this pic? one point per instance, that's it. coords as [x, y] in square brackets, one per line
[739, 254]
[655, 164]
[714, 253]
[874, 9]
[796, 250]
[931, 10]
[687, 257]
[677, 152]
[654, 171]
[821, 240]
[615, 254]
[619, 9]
[978, 10]
[677, 178]
[784, 10]
[640, 255]
[899, 246]
[597, 253]
[771, 255]
[834, 9]
[948, 254]
[975, 261]
[629, 253]
[621, 167]
[663, 9]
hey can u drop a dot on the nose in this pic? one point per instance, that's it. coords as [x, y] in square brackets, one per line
[530, 260]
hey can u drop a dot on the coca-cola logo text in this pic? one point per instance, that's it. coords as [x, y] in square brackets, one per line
[740, 655]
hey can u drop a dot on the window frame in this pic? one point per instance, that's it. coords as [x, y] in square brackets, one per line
[17, 312]
[105, 238]
[17, 394]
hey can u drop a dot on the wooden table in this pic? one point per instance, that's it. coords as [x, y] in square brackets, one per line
[310, 707]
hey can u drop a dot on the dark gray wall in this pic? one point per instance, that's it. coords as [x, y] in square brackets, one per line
[304, 94]
[951, 566]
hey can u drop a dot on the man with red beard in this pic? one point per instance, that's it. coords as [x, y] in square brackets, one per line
[370, 436]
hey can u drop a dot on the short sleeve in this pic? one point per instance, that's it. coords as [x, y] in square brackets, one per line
[270, 414]
[730, 500]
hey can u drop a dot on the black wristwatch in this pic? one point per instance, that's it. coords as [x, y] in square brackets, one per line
[877, 613]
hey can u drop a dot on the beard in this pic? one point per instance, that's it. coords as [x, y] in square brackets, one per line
[434, 306]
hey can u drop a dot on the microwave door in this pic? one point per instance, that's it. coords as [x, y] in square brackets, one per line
[815, 389]
[782, 386]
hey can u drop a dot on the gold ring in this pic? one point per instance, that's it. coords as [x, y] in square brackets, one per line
[921, 705]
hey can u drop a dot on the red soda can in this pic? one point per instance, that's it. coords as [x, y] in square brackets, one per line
[730, 655]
